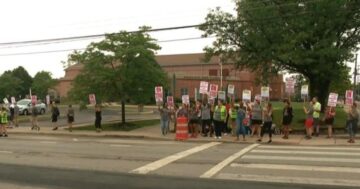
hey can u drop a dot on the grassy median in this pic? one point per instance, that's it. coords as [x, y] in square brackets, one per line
[119, 127]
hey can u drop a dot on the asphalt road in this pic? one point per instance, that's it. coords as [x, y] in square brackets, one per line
[66, 162]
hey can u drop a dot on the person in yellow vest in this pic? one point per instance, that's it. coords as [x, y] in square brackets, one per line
[316, 116]
[219, 118]
[3, 121]
[233, 115]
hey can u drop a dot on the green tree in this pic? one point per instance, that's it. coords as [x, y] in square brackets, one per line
[120, 67]
[25, 78]
[8, 85]
[312, 38]
[41, 83]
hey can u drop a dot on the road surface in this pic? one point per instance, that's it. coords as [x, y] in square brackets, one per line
[65, 162]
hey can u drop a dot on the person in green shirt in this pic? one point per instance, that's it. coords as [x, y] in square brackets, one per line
[3, 121]
[316, 116]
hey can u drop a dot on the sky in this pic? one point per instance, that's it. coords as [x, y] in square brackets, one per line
[23, 20]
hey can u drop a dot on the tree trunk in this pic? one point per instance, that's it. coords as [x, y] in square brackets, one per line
[123, 112]
[319, 88]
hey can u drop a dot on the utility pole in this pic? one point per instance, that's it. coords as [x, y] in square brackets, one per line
[355, 74]
[221, 73]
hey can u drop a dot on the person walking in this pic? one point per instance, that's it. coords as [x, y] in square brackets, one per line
[219, 118]
[54, 115]
[352, 122]
[287, 118]
[70, 117]
[3, 121]
[267, 126]
[240, 117]
[309, 121]
[164, 118]
[316, 116]
[256, 119]
[329, 120]
[34, 119]
[98, 118]
[12, 115]
[16, 114]
[205, 118]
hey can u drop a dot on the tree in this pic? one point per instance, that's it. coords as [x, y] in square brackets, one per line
[41, 83]
[120, 67]
[312, 38]
[25, 78]
[8, 84]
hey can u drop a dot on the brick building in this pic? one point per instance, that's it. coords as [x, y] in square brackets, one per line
[189, 70]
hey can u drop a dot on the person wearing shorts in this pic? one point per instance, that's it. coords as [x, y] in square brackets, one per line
[329, 120]
[309, 121]
[256, 119]
[287, 118]
[316, 116]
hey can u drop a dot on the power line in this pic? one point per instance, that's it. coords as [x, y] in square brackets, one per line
[80, 49]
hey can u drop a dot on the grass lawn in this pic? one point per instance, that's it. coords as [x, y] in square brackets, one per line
[118, 127]
[299, 116]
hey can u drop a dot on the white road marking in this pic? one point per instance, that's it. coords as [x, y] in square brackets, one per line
[6, 152]
[314, 159]
[119, 145]
[298, 167]
[167, 160]
[48, 142]
[75, 139]
[227, 161]
[305, 152]
[308, 148]
[290, 180]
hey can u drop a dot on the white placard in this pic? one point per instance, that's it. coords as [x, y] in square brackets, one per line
[349, 97]
[246, 95]
[231, 89]
[333, 97]
[92, 99]
[6, 101]
[265, 92]
[214, 88]
[305, 90]
[13, 100]
[204, 85]
[222, 95]
[170, 101]
[185, 99]
[47, 99]
[159, 95]
[258, 97]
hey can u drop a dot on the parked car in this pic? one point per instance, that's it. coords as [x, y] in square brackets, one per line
[25, 107]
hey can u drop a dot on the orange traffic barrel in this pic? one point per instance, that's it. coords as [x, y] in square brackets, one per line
[182, 131]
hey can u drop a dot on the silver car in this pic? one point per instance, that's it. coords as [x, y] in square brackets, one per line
[25, 107]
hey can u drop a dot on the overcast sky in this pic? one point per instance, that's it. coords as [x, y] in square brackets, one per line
[23, 20]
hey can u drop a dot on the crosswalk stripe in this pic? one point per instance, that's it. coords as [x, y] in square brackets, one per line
[6, 152]
[317, 159]
[227, 161]
[297, 167]
[167, 160]
[289, 180]
[308, 148]
[273, 151]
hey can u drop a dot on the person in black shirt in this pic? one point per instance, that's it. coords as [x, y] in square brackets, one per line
[98, 118]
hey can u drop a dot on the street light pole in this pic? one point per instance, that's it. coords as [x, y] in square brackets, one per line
[221, 73]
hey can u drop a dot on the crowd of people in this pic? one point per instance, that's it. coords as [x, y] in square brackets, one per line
[254, 119]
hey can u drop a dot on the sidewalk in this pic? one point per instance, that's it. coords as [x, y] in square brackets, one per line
[153, 133]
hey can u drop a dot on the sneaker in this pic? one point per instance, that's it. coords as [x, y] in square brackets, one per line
[270, 141]
[259, 140]
[219, 137]
[5, 135]
[55, 128]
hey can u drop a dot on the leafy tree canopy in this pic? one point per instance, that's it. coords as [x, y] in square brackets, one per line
[312, 38]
